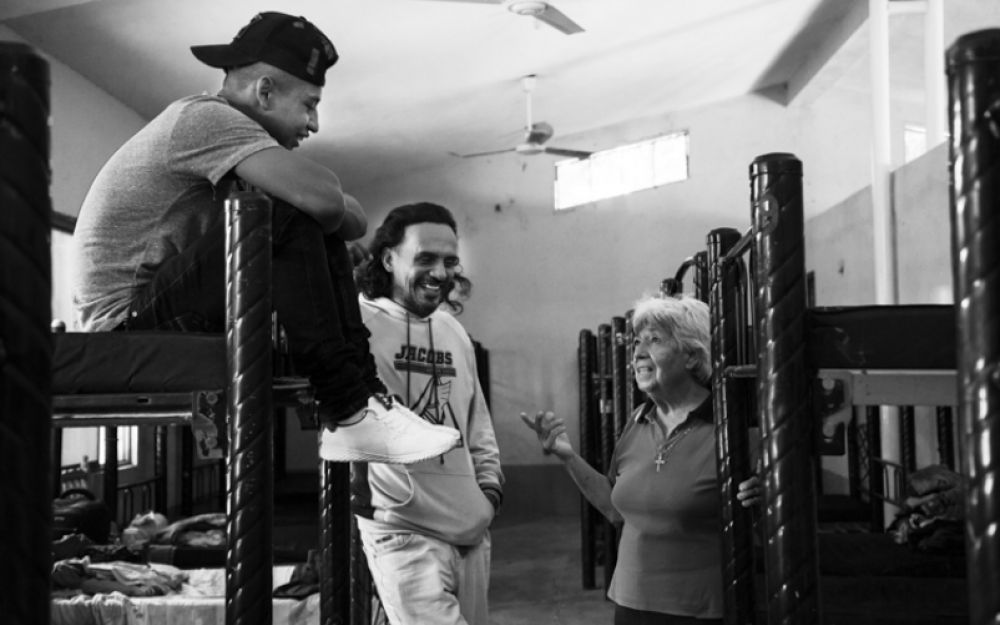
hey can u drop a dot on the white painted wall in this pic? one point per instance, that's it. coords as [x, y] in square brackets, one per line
[839, 240]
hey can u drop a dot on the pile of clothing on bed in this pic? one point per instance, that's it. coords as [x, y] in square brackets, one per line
[200, 598]
[81, 564]
[149, 537]
[933, 515]
[145, 576]
[80, 575]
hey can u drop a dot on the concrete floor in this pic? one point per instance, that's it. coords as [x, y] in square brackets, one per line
[536, 576]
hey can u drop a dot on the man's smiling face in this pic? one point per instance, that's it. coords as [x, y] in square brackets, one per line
[423, 267]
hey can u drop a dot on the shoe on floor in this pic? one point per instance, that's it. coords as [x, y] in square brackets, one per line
[387, 432]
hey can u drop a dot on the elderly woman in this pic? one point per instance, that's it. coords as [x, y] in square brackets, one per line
[661, 483]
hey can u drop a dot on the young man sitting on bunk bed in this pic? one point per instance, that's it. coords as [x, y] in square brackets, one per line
[150, 238]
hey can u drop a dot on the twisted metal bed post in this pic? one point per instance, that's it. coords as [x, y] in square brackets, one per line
[792, 589]
[25, 339]
[606, 441]
[586, 352]
[702, 276]
[732, 442]
[974, 94]
[249, 555]
[631, 396]
[361, 593]
[619, 375]
[336, 549]
[945, 436]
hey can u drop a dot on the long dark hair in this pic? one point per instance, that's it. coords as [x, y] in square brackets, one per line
[372, 277]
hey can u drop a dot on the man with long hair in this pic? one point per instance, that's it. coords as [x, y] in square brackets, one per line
[425, 526]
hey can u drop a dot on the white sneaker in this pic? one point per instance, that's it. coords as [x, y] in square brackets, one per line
[387, 432]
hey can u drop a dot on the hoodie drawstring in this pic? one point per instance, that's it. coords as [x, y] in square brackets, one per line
[434, 377]
[407, 368]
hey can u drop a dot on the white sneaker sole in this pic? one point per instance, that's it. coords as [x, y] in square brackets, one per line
[354, 455]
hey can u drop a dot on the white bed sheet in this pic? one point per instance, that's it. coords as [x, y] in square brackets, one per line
[201, 601]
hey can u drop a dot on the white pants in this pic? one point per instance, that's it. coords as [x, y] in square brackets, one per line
[425, 581]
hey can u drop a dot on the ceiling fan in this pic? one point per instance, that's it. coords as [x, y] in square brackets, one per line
[541, 11]
[535, 134]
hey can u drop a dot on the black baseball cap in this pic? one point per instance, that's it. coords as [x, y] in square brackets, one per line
[293, 44]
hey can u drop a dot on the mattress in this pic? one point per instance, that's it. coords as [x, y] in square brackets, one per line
[882, 337]
[137, 362]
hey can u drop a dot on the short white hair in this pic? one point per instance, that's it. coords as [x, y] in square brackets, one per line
[684, 318]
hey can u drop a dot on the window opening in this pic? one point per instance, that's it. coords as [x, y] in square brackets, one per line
[622, 170]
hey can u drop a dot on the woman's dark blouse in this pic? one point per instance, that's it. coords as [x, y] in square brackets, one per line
[670, 556]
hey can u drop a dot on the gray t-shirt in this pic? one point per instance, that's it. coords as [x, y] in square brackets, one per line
[153, 198]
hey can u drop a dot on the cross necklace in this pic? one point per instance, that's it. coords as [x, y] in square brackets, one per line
[663, 448]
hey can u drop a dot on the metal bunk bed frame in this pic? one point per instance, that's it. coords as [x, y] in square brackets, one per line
[26, 356]
[781, 371]
[775, 360]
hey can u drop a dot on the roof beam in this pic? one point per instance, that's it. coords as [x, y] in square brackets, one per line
[808, 73]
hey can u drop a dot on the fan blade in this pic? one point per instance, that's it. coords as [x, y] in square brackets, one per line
[558, 20]
[490, 153]
[540, 133]
[564, 152]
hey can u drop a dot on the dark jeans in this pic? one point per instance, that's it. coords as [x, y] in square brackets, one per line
[628, 616]
[313, 293]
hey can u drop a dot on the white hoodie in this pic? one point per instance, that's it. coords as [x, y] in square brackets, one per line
[430, 363]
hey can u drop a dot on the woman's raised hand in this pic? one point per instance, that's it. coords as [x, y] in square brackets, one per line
[551, 432]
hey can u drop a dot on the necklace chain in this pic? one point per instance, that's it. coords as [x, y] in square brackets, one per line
[663, 449]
